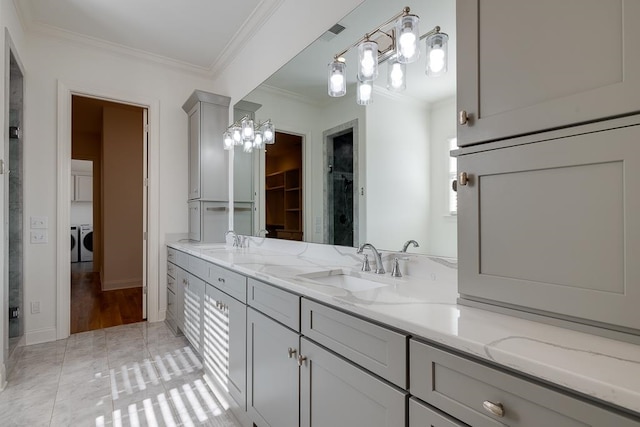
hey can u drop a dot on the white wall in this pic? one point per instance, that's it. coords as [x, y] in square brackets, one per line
[49, 61]
[442, 226]
[398, 191]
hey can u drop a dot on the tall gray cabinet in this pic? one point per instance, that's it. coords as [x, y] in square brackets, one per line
[208, 115]
[548, 220]
[525, 66]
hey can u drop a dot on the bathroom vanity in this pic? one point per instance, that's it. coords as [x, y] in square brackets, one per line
[296, 334]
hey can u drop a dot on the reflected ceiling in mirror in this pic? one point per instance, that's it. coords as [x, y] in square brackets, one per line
[396, 187]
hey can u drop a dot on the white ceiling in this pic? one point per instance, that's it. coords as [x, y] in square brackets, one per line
[306, 74]
[196, 33]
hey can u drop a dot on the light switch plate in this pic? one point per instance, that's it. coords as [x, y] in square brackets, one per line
[39, 236]
[39, 222]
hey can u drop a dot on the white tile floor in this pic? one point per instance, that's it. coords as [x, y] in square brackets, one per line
[131, 375]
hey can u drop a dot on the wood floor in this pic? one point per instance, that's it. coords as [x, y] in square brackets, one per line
[92, 308]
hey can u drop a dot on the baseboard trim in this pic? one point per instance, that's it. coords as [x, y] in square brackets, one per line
[114, 285]
[162, 315]
[40, 335]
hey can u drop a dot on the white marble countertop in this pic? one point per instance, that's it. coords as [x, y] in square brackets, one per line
[424, 305]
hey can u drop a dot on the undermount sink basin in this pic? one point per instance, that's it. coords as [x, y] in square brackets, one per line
[345, 279]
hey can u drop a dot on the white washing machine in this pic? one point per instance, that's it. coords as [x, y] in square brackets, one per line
[75, 243]
[86, 242]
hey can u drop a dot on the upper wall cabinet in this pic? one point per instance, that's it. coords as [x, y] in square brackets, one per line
[526, 66]
[208, 162]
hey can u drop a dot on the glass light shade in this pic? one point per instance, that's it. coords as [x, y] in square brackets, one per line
[269, 133]
[396, 76]
[365, 90]
[258, 140]
[227, 140]
[236, 135]
[367, 61]
[247, 146]
[247, 130]
[337, 79]
[437, 54]
[407, 37]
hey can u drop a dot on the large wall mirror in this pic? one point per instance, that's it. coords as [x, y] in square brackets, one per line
[344, 174]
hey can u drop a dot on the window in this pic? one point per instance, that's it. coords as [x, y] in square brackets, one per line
[453, 171]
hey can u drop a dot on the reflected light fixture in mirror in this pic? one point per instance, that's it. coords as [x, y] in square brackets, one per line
[403, 32]
[250, 135]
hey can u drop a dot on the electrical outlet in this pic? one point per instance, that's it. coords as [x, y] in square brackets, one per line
[39, 237]
[39, 222]
[35, 307]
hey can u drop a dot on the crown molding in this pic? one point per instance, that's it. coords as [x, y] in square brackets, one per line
[290, 95]
[258, 17]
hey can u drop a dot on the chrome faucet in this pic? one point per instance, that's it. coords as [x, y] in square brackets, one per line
[409, 242]
[236, 238]
[379, 267]
[262, 231]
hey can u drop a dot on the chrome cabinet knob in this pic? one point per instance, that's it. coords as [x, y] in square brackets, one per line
[463, 178]
[291, 352]
[494, 408]
[301, 359]
[463, 118]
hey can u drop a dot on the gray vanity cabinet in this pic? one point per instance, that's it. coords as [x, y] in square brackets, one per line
[335, 392]
[225, 344]
[526, 66]
[482, 396]
[194, 291]
[272, 372]
[553, 227]
[208, 162]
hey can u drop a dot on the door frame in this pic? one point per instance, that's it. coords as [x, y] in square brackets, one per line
[327, 140]
[63, 261]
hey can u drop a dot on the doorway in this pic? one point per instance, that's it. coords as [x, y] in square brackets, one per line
[13, 202]
[341, 183]
[108, 213]
[284, 187]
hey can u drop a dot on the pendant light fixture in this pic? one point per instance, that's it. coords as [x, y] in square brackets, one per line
[395, 41]
[250, 135]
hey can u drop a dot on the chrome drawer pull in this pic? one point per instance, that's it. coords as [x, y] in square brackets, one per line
[291, 352]
[494, 408]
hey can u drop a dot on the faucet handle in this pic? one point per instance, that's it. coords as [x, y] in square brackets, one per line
[365, 263]
[395, 271]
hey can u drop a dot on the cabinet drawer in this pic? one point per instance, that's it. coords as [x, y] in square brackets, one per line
[231, 283]
[422, 415]
[276, 303]
[178, 258]
[171, 270]
[171, 283]
[171, 303]
[198, 267]
[464, 389]
[378, 349]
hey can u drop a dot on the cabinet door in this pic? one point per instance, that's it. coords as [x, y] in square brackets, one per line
[215, 221]
[225, 343]
[182, 280]
[423, 415]
[272, 376]
[84, 188]
[555, 226]
[243, 218]
[194, 153]
[243, 176]
[525, 66]
[194, 311]
[214, 160]
[195, 224]
[334, 392]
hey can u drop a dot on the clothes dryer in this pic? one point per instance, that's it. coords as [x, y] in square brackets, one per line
[75, 243]
[86, 242]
